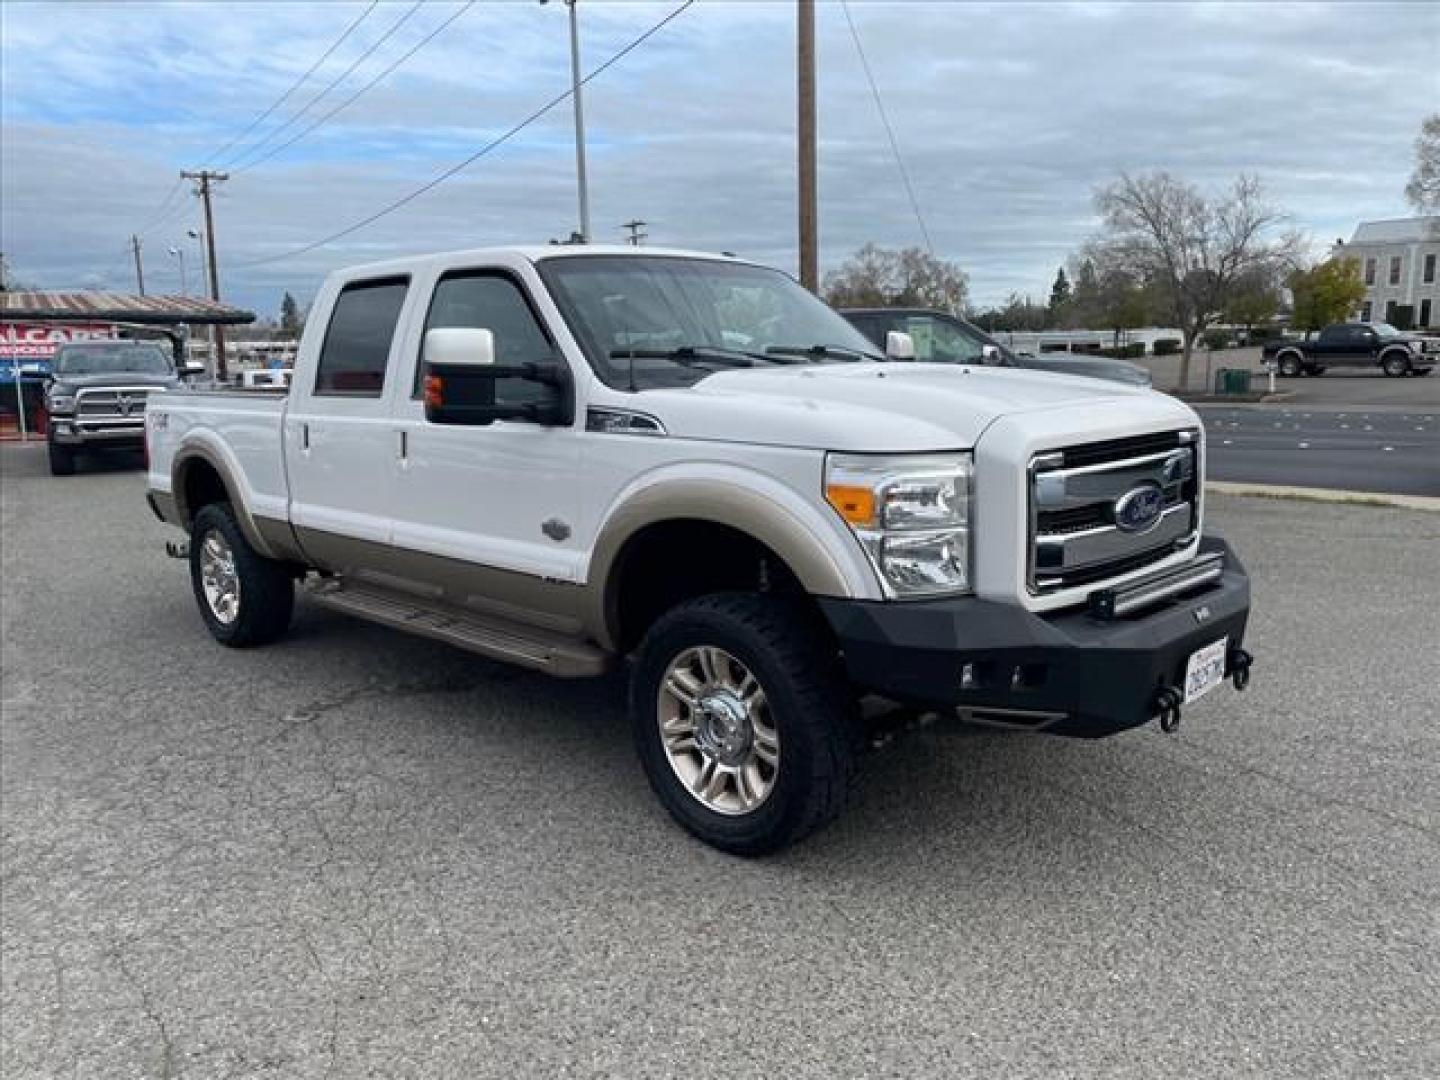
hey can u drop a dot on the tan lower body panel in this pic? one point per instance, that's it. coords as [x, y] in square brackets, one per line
[552, 606]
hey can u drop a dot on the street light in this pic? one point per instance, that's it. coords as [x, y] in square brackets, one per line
[579, 121]
[179, 253]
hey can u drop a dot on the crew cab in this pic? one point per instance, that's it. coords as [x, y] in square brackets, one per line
[96, 397]
[573, 458]
[1393, 351]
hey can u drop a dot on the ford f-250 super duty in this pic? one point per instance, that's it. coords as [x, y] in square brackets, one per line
[569, 457]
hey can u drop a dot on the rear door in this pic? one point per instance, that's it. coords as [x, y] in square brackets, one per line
[339, 448]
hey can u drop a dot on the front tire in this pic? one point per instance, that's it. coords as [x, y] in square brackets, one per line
[244, 598]
[62, 459]
[744, 721]
[1395, 364]
[1290, 365]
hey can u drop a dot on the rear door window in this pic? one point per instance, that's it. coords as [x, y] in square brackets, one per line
[358, 340]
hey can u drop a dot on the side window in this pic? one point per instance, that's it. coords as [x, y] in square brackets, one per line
[937, 340]
[489, 301]
[871, 327]
[357, 341]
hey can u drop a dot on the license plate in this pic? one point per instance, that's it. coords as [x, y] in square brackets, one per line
[1205, 671]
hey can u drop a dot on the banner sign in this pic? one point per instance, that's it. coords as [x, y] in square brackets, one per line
[32, 342]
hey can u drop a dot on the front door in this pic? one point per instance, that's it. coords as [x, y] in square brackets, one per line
[488, 514]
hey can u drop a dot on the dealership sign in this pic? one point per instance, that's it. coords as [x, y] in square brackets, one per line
[28, 342]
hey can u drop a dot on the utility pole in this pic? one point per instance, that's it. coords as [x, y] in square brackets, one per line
[805, 64]
[636, 236]
[579, 124]
[205, 180]
[139, 270]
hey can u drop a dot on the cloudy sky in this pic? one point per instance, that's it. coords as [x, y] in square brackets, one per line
[1008, 115]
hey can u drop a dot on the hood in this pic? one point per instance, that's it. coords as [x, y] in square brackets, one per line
[890, 407]
[1093, 367]
[117, 378]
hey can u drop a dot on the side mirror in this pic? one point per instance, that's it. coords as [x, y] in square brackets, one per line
[460, 374]
[899, 345]
[990, 354]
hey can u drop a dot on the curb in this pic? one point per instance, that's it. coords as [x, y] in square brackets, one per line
[1325, 495]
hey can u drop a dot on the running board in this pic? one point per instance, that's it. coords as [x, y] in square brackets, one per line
[499, 639]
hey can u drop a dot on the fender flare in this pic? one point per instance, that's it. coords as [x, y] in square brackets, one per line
[194, 450]
[822, 568]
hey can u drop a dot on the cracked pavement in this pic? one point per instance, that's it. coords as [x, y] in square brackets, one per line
[359, 854]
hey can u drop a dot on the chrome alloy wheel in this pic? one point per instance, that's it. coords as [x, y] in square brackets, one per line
[717, 730]
[219, 579]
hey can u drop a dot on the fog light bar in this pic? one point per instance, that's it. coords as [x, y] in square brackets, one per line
[1113, 603]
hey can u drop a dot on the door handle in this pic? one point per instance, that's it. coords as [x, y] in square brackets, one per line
[402, 452]
[305, 437]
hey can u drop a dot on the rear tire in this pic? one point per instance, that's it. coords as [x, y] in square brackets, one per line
[744, 720]
[1395, 364]
[244, 598]
[1290, 365]
[62, 459]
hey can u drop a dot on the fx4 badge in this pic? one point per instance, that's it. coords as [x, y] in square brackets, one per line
[1201, 613]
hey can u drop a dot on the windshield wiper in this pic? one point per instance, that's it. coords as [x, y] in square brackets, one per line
[816, 353]
[691, 355]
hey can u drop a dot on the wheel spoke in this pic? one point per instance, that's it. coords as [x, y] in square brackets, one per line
[709, 671]
[681, 683]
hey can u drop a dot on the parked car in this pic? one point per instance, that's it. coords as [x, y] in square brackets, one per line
[568, 458]
[97, 393]
[944, 338]
[1372, 345]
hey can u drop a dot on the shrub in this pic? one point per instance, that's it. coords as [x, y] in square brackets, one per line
[1217, 339]
[1167, 346]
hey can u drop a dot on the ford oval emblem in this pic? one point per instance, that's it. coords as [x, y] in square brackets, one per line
[1139, 509]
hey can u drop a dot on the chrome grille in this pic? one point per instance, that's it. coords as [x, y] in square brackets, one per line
[112, 405]
[1075, 537]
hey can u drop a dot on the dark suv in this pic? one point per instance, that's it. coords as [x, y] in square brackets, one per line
[943, 338]
[96, 396]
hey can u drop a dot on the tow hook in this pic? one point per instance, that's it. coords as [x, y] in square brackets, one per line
[177, 550]
[1240, 661]
[1167, 708]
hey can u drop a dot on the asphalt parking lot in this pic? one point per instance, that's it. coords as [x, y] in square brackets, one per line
[358, 854]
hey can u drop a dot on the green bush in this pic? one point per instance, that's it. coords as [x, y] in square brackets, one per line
[1167, 346]
[1217, 339]
[1125, 352]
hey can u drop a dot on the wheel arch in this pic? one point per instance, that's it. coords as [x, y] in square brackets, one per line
[724, 529]
[202, 475]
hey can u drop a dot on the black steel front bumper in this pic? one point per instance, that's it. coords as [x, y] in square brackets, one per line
[1071, 673]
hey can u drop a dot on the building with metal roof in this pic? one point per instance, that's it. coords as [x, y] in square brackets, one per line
[108, 307]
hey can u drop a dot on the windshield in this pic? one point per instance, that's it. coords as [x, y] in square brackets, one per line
[1384, 329]
[651, 321]
[110, 359]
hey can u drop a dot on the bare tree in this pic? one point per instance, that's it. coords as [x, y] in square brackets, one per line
[1193, 249]
[883, 277]
[1423, 190]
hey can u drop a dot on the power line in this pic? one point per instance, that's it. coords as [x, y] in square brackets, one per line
[487, 148]
[333, 83]
[890, 131]
[298, 82]
[358, 93]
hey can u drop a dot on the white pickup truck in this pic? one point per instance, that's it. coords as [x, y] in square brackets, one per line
[570, 457]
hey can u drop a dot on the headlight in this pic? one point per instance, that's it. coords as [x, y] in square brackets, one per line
[911, 514]
[62, 402]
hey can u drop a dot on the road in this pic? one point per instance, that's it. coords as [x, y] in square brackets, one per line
[359, 854]
[1337, 387]
[1379, 449]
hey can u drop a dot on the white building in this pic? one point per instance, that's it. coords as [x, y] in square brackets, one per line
[1398, 263]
